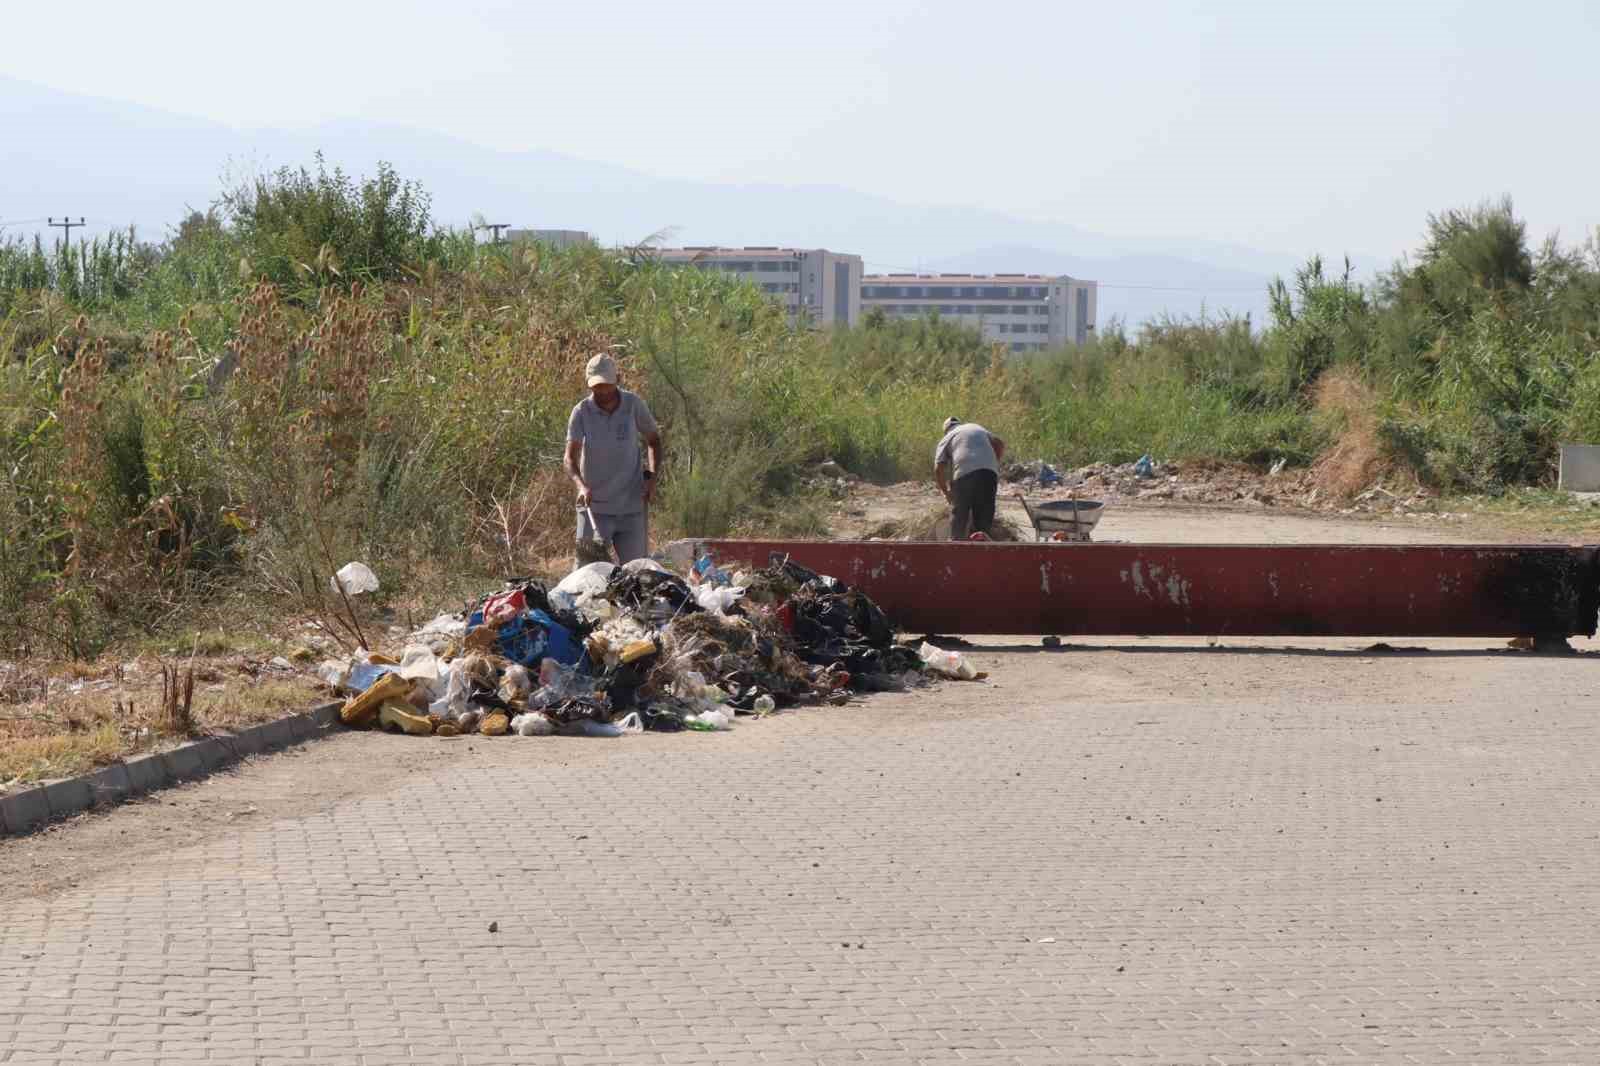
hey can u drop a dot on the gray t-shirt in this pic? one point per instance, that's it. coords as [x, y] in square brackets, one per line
[966, 448]
[612, 464]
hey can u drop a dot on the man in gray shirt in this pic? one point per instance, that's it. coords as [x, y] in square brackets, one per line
[603, 459]
[966, 467]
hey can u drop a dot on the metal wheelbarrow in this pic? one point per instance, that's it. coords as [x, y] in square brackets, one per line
[1063, 520]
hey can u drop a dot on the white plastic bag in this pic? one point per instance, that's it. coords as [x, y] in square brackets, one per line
[454, 701]
[718, 599]
[949, 663]
[418, 663]
[532, 724]
[516, 684]
[709, 720]
[586, 580]
[634, 566]
[356, 578]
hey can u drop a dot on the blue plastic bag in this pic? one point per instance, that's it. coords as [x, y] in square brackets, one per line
[364, 675]
[533, 636]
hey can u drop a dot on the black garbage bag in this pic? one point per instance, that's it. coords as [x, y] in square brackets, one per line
[661, 717]
[579, 708]
[652, 594]
[622, 682]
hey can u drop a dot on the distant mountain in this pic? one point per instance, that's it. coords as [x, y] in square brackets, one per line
[120, 164]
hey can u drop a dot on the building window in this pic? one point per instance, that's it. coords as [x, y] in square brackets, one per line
[769, 267]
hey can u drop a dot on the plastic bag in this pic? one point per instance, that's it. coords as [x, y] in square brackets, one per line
[356, 578]
[453, 703]
[949, 663]
[629, 723]
[718, 599]
[712, 719]
[645, 563]
[516, 685]
[532, 724]
[418, 663]
[579, 589]
[558, 683]
[364, 675]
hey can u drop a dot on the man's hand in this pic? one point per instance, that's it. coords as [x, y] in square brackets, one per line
[583, 492]
[649, 489]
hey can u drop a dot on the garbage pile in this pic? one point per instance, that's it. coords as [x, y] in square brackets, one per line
[616, 650]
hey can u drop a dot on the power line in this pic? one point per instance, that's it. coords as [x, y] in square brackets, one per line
[19, 222]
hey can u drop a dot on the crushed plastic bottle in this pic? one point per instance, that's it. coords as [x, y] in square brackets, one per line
[949, 663]
[765, 705]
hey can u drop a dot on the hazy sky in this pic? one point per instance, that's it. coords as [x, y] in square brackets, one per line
[1283, 125]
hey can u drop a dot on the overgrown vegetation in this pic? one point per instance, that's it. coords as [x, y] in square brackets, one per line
[313, 372]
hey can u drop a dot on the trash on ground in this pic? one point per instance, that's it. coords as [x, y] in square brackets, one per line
[612, 651]
[951, 664]
[355, 579]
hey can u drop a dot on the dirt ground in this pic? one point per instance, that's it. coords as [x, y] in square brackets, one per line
[1175, 671]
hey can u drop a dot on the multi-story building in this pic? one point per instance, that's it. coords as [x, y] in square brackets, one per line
[819, 287]
[1025, 312]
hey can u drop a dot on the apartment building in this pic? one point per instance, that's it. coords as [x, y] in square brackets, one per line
[819, 287]
[1024, 312]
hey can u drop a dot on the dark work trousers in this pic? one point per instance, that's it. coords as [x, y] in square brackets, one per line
[972, 503]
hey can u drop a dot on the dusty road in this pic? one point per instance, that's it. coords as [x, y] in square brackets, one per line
[1143, 851]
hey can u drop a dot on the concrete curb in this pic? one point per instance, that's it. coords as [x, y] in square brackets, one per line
[25, 811]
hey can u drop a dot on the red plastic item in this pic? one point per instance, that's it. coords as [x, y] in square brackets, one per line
[504, 607]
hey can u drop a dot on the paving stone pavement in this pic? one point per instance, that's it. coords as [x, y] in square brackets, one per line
[996, 874]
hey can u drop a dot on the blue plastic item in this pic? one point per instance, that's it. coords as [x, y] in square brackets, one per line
[364, 675]
[1145, 467]
[534, 635]
[1049, 475]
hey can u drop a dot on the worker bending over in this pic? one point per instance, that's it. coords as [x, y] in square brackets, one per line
[966, 467]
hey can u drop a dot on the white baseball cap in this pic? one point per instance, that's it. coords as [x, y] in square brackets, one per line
[602, 370]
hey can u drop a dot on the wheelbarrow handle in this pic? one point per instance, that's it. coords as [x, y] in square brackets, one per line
[1032, 521]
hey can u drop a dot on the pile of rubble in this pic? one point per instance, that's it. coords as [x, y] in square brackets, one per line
[1204, 482]
[616, 650]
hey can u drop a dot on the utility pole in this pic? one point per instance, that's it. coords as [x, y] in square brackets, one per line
[67, 225]
[496, 227]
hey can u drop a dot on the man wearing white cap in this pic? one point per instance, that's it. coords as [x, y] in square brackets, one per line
[604, 461]
[966, 467]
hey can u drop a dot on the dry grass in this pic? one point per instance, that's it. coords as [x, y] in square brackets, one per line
[65, 722]
[1357, 460]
